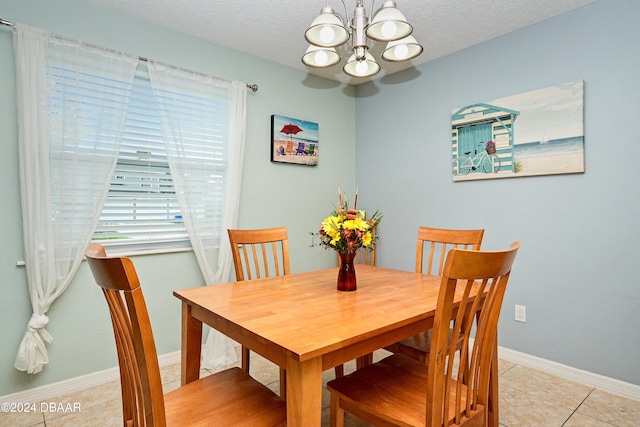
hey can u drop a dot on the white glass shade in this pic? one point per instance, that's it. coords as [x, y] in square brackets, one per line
[402, 50]
[388, 24]
[327, 30]
[364, 68]
[320, 57]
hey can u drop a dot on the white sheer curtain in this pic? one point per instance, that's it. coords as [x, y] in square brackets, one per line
[204, 125]
[67, 156]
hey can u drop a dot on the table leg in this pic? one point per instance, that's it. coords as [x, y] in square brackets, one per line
[191, 346]
[363, 361]
[304, 393]
[283, 383]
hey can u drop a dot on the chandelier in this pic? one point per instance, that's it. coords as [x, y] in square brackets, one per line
[329, 31]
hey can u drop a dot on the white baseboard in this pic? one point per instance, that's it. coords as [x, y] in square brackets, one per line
[601, 382]
[49, 391]
[621, 388]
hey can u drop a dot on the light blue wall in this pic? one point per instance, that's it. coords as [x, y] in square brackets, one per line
[576, 271]
[272, 194]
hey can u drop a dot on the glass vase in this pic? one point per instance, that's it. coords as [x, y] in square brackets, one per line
[346, 273]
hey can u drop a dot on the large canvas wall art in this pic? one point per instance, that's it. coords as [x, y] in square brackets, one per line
[535, 133]
[294, 141]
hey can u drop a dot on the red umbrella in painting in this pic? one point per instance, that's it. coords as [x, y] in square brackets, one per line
[291, 129]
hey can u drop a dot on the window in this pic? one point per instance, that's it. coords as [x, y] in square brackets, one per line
[142, 209]
[174, 152]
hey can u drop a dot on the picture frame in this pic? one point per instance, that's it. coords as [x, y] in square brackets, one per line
[540, 132]
[294, 141]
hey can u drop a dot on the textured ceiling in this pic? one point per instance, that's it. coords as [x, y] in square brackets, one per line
[275, 29]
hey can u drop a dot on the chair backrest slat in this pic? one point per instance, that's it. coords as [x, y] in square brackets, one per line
[274, 250]
[256, 251]
[366, 256]
[440, 241]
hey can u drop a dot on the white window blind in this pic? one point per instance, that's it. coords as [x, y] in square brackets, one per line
[141, 210]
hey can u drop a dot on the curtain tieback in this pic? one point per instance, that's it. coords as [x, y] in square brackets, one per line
[37, 323]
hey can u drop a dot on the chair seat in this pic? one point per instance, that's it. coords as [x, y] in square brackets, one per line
[392, 390]
[222, 399]
[418, 346]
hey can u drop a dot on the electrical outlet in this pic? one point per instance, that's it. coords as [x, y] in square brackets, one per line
[521, 313]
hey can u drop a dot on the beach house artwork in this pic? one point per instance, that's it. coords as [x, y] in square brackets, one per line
[294, 141]
[534, 133]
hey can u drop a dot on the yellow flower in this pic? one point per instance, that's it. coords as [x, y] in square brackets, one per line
[366, 239]
[331, 225]
[355, 224]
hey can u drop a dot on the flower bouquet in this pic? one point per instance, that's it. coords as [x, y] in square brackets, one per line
[347, 230]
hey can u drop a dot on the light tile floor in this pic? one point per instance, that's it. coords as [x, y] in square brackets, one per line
[527, 398]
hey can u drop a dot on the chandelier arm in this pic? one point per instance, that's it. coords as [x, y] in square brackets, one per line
[346, 14]
[371, 9]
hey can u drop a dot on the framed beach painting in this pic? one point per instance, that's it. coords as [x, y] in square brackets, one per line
[294, 141]
[534, 133]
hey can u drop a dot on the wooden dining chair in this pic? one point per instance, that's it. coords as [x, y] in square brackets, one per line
[260, 253]
[230, 397]
[399, 390]
[438, 241]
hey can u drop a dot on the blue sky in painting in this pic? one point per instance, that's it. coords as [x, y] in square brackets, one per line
[309, 129]
[551, 113]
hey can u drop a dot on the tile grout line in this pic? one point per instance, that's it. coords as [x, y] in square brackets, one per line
[578, 407]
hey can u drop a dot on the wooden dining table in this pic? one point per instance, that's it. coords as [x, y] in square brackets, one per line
[303, 324]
